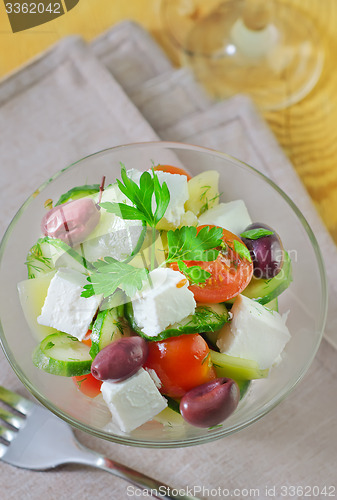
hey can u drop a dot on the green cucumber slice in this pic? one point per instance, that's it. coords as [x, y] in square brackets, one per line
[236, 368]
[40, 259]
[265, 291]
[173, 404]
[206, 318]
[62, 354]
[243, 386]
[107, 328]
[49, 253]
[272, 305]
[78, 192]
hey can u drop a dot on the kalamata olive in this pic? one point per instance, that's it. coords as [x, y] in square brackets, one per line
[120, 359]
[210, 403]
[71, 222]
[266, 252]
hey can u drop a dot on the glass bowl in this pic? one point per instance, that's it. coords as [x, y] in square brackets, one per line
[305, 299]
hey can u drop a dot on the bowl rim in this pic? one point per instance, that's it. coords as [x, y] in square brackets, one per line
[215, 435]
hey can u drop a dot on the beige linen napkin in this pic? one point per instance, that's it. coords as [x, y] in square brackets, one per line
[295, 445]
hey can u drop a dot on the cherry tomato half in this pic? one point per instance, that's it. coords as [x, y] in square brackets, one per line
[172, 170]
[230, 273]
[87, 339]
[88, 384]
[181, 363]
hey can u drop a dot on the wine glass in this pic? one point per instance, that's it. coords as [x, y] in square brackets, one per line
[267, 49]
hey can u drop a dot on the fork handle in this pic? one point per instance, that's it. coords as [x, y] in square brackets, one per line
[157, 489]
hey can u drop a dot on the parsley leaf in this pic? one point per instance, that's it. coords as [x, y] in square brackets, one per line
[242, 250]
[111, 274]
[123, 211]
[255, 234]
[186, 244]
[142, 198]
[195, 274]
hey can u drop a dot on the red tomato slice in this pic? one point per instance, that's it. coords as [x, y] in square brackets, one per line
[181, 363]
[87, 339]
[88, 384]
[172, 170]
[230, 273]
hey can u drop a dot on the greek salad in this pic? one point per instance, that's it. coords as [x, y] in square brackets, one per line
[154, 293]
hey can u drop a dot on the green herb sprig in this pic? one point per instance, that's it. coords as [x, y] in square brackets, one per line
[111, 274]
[242, 250]
[142, 198]
[195, 274]
[255, 234]
[188, 244]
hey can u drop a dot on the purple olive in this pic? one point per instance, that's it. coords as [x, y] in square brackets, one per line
[210, 403]
[267, 252]
[71, 222]
[120, 359]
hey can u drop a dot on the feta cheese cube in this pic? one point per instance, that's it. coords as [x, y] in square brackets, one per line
[177, 186]
[64, 308]
[255, 333]
[232, 216]
[161, 302]
[133, 401]
[113, 237]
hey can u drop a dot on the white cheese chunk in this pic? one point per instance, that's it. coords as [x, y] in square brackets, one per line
[164, 300]
[232, 216]
[133, 401]
[64, 308]
[154, 376]
[113, 237]
[254, 332]
[177, 186]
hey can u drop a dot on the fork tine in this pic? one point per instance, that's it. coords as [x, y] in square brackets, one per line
[19, 403]
[7, 434]
[11, 419]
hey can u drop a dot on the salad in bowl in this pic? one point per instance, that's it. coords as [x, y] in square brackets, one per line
[154, 298]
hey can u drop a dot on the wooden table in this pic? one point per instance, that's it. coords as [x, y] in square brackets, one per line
[307, 131]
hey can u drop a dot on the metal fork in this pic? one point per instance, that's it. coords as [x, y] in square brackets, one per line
[34, 438]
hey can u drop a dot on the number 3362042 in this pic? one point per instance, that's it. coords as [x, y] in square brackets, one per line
[33, 8]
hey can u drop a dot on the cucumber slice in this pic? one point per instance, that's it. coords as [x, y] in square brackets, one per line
[265, 291]
[272, 305]
[62, 354]
[206, 318]
[173, 404]
[50, 253]
[236, 368]
[40, 259]
[211, 338]
[107, 328]
[243, 386]
[78, 192]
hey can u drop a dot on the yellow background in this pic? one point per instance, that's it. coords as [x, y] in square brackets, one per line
[307, 131]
